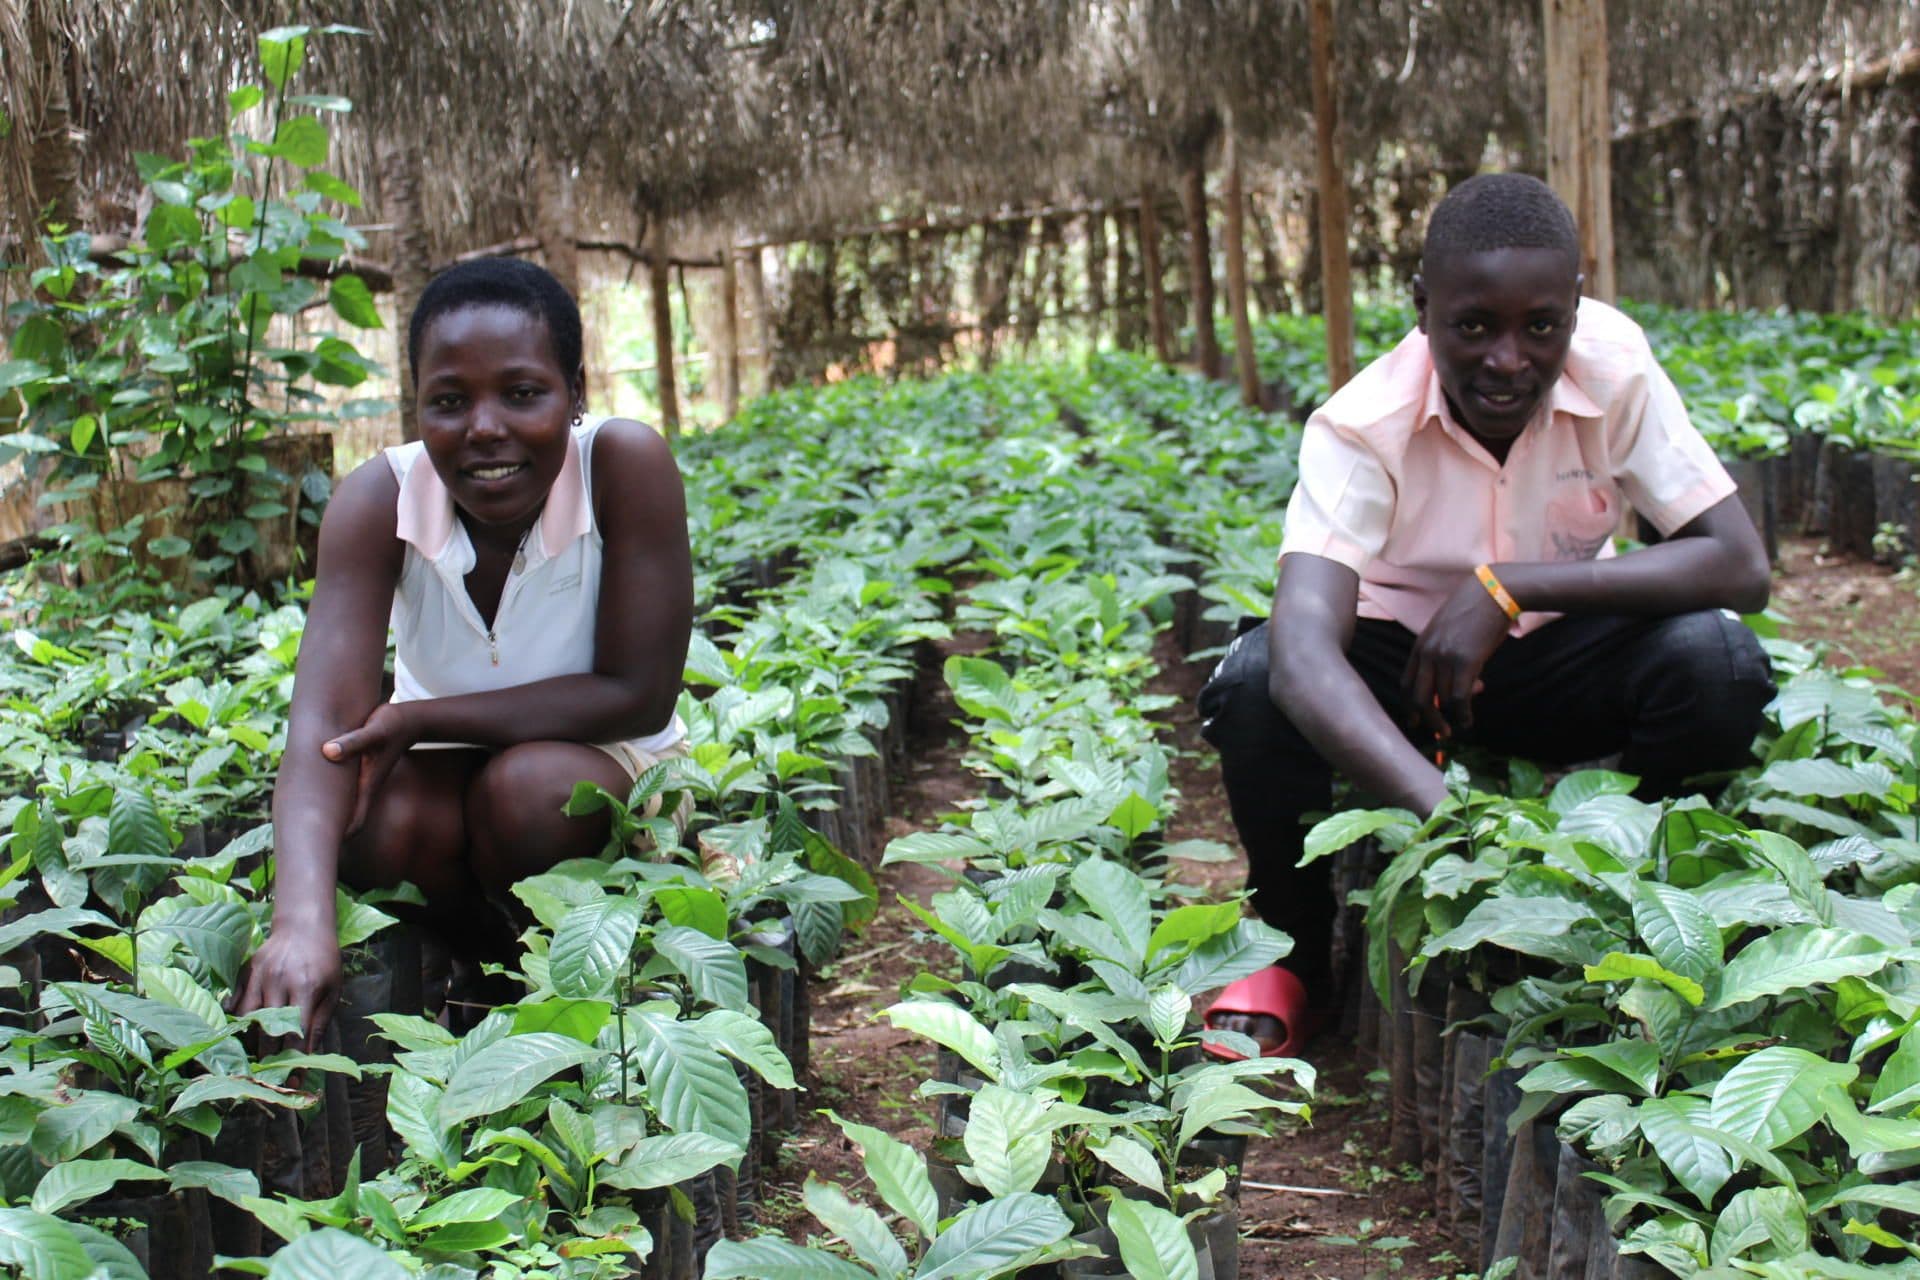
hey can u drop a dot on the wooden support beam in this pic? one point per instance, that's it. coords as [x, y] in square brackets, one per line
[659, 281]
[1336, 266]
[1156, 292]
[729, 339]
[399, 175]
[1096, 231]
[1243, 355]
[1193, 194]
[1579, 138]
[762, 322]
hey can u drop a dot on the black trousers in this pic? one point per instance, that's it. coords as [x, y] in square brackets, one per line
[1677, 696]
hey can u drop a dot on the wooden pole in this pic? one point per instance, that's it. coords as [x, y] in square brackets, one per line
[412, 262]
[1243, 356]
[1336, 267]
[1206, 343]
[1579, 139]
[729, 338]
[1150, 268]
[1096, 228]
[659, 282]
[762, 322]
[1126, 302]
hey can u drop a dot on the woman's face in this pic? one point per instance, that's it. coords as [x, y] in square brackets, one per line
[495, 409]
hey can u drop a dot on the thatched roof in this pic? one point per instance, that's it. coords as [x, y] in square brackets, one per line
[794, 116]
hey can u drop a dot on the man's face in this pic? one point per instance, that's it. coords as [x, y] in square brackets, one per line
[1498, 325]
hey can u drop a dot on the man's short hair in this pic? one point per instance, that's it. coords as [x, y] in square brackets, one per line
[1499, 211]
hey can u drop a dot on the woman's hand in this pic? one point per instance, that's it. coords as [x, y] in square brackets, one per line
[1443, 673]
[378, 745]
[298, 966]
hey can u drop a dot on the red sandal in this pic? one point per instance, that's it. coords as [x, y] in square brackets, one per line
[1276, 993]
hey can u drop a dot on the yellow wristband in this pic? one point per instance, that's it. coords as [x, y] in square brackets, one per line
[1501, 596]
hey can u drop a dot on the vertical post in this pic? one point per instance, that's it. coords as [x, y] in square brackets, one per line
[1126, 315]
[1579, 138]
[557, 231]
[1243, 357]
[1150, 268]
[412, 262]
[659, 281]
[729, 336]
[1336, 267]
[762, 322]
[1096, 228]
[1206, 343]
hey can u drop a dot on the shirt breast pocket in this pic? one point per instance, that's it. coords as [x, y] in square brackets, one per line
[1580, 519]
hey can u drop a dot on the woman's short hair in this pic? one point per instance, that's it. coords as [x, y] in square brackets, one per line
[502, 282]
[1499, 211]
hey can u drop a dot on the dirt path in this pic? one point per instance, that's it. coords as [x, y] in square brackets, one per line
[866, 1071]
[1866, 614]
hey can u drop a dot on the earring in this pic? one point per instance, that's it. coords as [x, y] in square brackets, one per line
[577, 418]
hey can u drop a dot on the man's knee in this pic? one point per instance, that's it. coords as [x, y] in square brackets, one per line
[1710, 681]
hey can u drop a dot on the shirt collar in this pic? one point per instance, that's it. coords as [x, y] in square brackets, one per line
[426, 508]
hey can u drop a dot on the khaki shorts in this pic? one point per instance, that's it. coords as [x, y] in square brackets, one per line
[636, 760]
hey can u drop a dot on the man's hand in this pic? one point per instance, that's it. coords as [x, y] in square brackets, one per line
[298, 966]
[378, 745]
[1443, 673]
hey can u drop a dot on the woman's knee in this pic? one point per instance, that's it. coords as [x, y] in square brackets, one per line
[415, 831]
[516, 810]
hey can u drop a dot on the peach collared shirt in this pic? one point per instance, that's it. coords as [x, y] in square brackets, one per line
[1393, 488]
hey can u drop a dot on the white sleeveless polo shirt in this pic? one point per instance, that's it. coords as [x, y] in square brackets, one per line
[544, 626]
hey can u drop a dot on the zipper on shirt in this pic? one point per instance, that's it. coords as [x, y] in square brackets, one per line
[493, 647]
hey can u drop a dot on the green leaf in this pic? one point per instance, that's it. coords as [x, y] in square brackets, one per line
[1153, 1243]
[1130, 1158]
[1633, 1060]
[1773, 1096]
[1193, 923]
[357, 921]
[1225, 1101]
[856, 1224]
[507, 1070]
[745, 1038]
[667, 1158]
[468, 1237]
[1677, 929]
[1134, 816]
[1249, 948]
[714, 969]
[767, 1258]
[702, 909]
[1796, 958]
[1674, 1127]
[477, 1205]
[1119, 897]
[1354, 825]
[591, 946]
[1576, 789]
[282, 50]
[1006, 1141]
[1618, 966]
[332, 1254]
[223, 1180]
[1761, 1216]
[693, 1089]
[990, 1237]
[41, 1247]
[134, 825]
[1518, 924]
[981, 687]
[950, 1026]
[302, 141]
[898, 1174]
[353, 302]
[78, 1181]
[576, 1019]
[333, 188]
[245, 98]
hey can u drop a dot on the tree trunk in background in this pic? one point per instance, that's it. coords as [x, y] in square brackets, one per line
[1150, 268]
[1243, 355]
[1579, 136]
[1096, 227]
[1336, 268]
[729, 336]
[762, 322]
[1206, 343]
[1126, 300]
[559, 230]
[659, 282]
[399, 175]
[54, 164]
